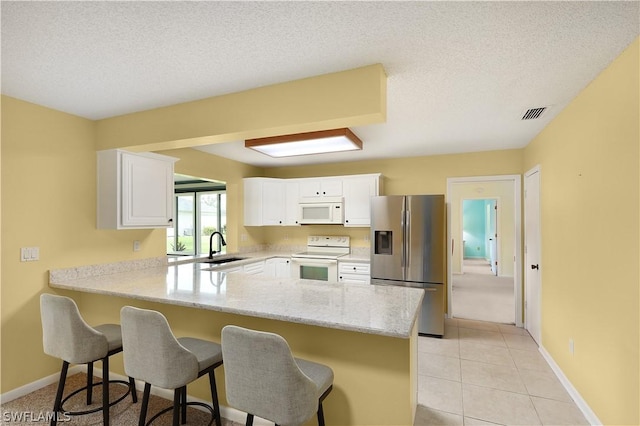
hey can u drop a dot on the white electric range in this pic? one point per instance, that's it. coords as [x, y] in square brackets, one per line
[320, 260]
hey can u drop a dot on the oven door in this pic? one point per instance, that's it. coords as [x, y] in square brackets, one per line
[314, 269]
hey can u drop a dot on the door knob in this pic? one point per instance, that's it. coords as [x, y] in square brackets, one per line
[534, 267]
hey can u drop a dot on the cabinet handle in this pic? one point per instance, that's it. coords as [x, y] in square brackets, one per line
[170, 220]
[354, 268]
[535, 267]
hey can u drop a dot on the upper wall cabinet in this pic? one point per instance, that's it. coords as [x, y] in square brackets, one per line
[274, 202]
[270, 202]
[321, 187]
[358, 191]
[135, 190]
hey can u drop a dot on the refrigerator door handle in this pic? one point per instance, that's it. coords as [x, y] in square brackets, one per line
[407, 240]
[403, 257]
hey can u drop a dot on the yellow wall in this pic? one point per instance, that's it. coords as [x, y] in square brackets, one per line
[589, 160]
[343, 99]
[48, 201]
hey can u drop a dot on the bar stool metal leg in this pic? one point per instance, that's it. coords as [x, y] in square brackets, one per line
[89, 383]
[57, 405]
[214, 396]
[145, 404]
[105, 390]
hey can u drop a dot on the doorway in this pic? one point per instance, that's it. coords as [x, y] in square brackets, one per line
[474, 279]
[479, 235]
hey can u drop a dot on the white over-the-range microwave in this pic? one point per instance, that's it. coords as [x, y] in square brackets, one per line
[323, 210]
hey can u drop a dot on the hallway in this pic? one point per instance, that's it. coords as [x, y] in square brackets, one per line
[479, 295]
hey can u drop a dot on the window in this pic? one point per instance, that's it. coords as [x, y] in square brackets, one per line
[198, 214]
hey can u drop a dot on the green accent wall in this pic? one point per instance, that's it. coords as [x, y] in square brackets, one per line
[474, 221]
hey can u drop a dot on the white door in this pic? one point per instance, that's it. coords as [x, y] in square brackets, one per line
[532, 278]
[492, 214]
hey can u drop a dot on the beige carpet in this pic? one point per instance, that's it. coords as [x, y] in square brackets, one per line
[479, 295]
[37, 406]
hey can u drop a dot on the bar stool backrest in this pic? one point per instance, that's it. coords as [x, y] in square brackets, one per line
[65, 335]
[151, 351]
[262, 377]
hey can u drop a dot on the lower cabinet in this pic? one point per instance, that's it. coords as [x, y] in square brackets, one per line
[354, 272]
[254, 268]
[278, 267]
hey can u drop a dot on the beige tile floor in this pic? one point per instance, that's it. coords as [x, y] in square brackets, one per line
[483, 373]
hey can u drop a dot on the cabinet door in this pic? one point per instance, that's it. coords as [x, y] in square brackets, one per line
[331, 187]
[252, 188]
[283, 268]
[357, 199]
[147, 191]
[321, 187]
[273, 203]
[309, 187]
[291, 201]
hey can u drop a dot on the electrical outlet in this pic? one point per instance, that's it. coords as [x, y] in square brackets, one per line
[571, 347]
[136, 245]
[286, 237]
[243, 237]
[366, 237]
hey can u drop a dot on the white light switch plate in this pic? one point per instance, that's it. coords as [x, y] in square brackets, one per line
[29, 254]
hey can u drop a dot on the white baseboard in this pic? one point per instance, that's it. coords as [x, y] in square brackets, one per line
[228, 413]
[38, 384]
[573, 392]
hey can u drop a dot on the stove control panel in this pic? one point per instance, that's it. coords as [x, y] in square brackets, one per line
[328, 241]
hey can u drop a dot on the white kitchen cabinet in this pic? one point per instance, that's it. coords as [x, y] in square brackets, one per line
[254, 268]
[278, 267]
[354, 272]
[291, 201]
[321, 187]
[270, 202]
[135, 190]
[358, 191]
[273, 202]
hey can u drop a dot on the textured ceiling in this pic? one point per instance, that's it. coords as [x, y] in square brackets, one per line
[460, 74]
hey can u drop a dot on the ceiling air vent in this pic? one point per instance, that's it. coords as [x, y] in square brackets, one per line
[533, 113]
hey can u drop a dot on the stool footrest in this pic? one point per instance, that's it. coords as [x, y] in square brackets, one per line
[94, 410]
[201, 404]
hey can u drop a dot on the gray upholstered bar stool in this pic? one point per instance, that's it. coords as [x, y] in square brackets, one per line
[154, 355]
[67, 336]
[262, 378]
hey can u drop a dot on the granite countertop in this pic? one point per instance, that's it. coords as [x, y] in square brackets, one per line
[381, 310]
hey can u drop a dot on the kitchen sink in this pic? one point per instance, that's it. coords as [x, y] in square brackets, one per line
[221, 261]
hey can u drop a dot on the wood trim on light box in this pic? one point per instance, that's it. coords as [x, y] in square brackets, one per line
[320, 134]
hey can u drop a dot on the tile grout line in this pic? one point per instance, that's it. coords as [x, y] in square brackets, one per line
[525, 385]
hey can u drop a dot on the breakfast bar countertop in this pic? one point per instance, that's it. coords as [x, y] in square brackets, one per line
[380, 310]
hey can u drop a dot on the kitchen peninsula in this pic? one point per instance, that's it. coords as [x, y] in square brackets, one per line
[365, 333]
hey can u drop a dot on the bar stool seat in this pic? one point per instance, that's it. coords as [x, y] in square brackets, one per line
[154, 355]
[65, 335]
[262, 378]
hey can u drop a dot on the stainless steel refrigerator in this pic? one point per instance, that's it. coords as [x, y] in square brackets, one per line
[408, 249]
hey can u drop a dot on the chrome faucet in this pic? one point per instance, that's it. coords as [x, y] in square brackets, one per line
[211, 252]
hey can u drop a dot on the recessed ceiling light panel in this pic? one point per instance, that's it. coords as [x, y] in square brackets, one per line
[320, 142]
